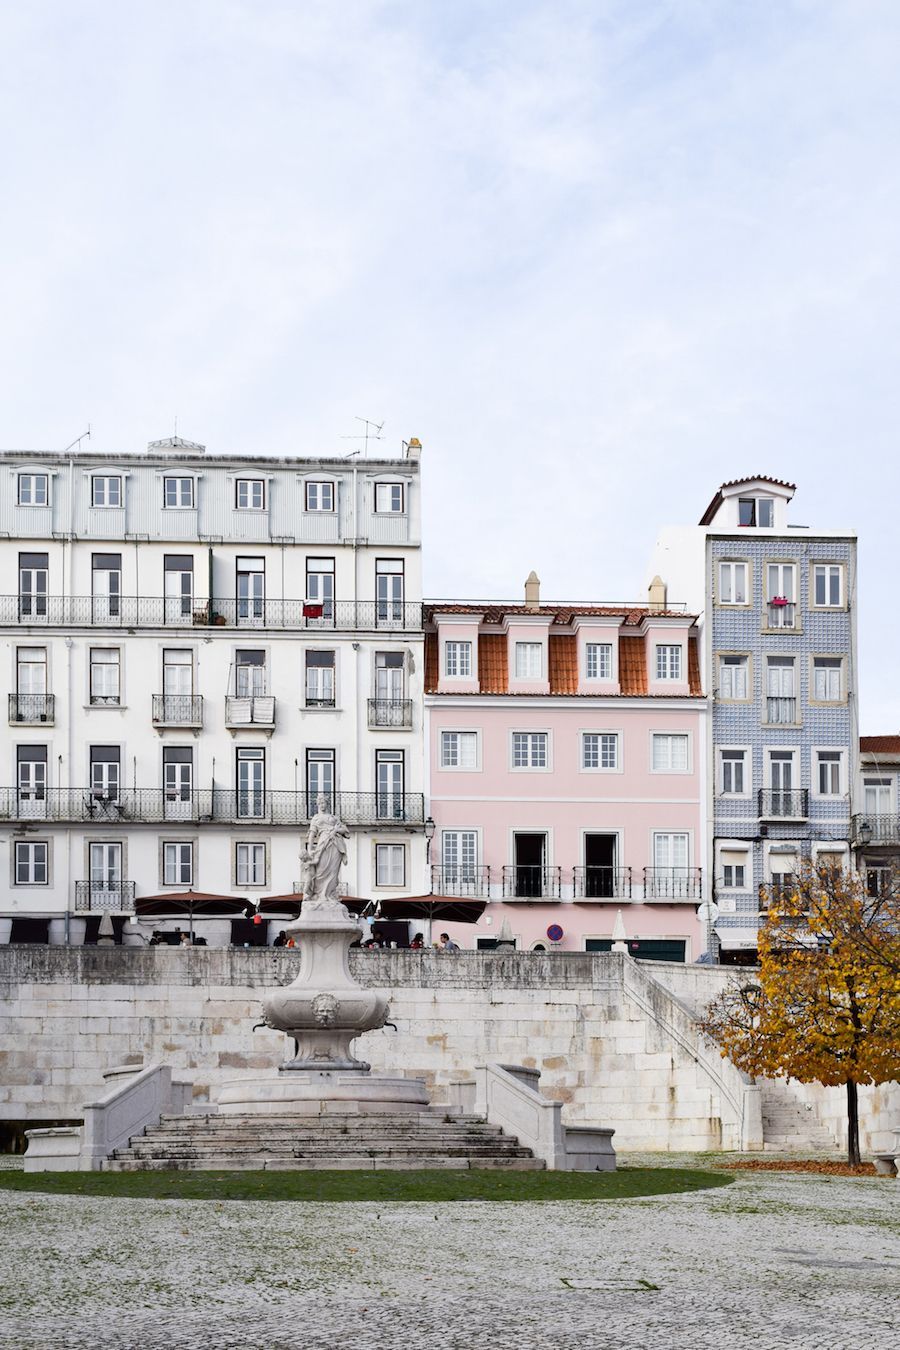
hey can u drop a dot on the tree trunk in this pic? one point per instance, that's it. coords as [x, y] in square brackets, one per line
[852, 1124]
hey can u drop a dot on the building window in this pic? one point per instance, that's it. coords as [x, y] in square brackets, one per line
[250, 864]
[781, 696]
[178, 781]
[781, 589]
[106, 490]
[459, 856]
[319, 588]
[251, 782]
[734, 870]
[389, 498]
[105, 676]
[390, 676]
[389, 590]
[31, 778]
[178, 864]
[390, 864]
[827, 681]
[733, 588]
[529, 660]
[670, 853]
[105, 761]
[458, 659]
[319, 778]
[390, 775]
[828, 585]
[250, 673]
[250, 494]
[529, 749]
[33, 584]
[459, 749]
[733, 677]
[877, 798]
[756, 511]
[31, 671]
[734, 782]
[320, 679]
[250, 584]
[178, 492]
[31, 863]
[669, 752]
[828, 772]
[106, 586]
[320, 496]
[668, 663]
[598, 660]
[599, 750]
[33, 489]
[178, 587]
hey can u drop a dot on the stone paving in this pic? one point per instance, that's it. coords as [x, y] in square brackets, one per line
[770, 1262]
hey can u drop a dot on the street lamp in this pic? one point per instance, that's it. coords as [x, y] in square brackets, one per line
[864, 834]
[430, 828]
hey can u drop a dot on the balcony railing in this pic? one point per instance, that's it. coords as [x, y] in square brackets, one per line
[474, 882]
[672, 883]
[782, 613]
[178, 710]
[91, 896]
[389, 712]
[34, 709]
[781, 710]
[84, 611]
[152, 806]
[778, 891]
[601, 883]
[776, 804]
[256, 711]
[876, 829]
[527, 882]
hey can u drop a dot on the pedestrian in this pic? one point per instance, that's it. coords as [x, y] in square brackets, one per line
[281, 940]
[447, 944]
[417, 943]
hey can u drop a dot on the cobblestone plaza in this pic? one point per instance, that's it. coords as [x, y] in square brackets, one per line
[773, 1260]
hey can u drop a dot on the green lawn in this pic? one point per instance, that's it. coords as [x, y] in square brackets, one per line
[383, 1186]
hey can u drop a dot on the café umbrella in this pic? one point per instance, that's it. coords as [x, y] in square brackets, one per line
[190, 905]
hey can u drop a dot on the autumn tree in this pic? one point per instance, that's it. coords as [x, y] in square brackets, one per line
[825, 1004]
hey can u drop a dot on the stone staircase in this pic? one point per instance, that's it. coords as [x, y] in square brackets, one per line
[790, 1126]
[423, 1139]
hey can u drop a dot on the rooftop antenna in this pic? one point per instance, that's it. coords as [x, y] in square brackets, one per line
[79, 439]
[367, 435]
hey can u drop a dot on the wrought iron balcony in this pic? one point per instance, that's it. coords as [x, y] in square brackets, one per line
[86, 611]
[91, 896]
[782, 614]
[390, 712]
[778, 804]
[527, 882]
[601, 883]
[178, 710]
[200, 806]
[31, 709]
[255, 711]
[672, 883]
[474, 882]
[781, 710]
[876, 829]
[778, 891]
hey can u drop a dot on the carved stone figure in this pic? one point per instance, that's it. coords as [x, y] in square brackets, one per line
[323, 857]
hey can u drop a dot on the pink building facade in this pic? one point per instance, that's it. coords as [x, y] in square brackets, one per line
[566, 749]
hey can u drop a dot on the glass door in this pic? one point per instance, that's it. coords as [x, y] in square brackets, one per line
[251, 776]
[319, 779]
[251, 590]
[178, 782]
[179, 589]
[106, 587]
[106, 876]
[781, 782]
[389, 784]
[32, 781]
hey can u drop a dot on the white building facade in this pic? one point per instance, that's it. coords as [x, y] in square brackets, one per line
[194, 650]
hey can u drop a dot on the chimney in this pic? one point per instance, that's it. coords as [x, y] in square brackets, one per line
[413, 448]
[532, 591]
[657, 593]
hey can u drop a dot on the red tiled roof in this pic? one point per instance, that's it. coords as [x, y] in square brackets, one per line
[492, 666]
[561, 613]
[632, 665]
[563, 663]
[879, 745]
[737, 482]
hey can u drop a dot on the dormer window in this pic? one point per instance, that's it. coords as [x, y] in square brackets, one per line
[529, 661]
[389, 498]
[106, 490]
[668, 663]
[756, 511]
[33, 489]
[320, 496]
[178, 493]
[598, 660]
[250, 494]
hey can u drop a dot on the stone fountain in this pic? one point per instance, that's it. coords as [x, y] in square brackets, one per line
[324, 1009]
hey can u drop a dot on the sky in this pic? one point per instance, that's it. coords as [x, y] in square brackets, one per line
[598, 256]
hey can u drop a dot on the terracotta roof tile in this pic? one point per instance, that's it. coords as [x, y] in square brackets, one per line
[694, 684]
[492, 668]
[879, 745]
[632, 665]
[737, 482]
[431, 663]
[563, 662]
[562, 613]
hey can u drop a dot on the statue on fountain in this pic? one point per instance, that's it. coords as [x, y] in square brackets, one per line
[322, 857]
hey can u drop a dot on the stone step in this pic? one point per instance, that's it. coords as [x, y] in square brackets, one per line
[326, 1132]
[325, 1163]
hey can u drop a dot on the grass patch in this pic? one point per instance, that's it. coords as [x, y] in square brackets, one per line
[379, 1186]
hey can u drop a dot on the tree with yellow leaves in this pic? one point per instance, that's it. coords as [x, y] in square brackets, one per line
[825, 1006]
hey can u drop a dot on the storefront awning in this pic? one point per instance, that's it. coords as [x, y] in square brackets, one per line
[737, 939]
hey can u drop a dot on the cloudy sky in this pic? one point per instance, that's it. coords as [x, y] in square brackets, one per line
[599, 255]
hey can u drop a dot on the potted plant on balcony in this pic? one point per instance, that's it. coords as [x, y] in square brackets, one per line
[779, 600]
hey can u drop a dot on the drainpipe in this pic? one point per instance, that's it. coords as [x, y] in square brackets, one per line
[69, 645]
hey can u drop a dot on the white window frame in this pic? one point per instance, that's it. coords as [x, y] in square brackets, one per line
[747, 790]
[523, 656]
[603, 735]
[104, 700]
[253, 849]
[249, 485]
[315, 496]
[319, 702]
[667, 667]
[530, 767]
[173, 849]
[666, 734]
[735, 661]
[880, 781]
[446, 744]
[732, 884]
[840, 751]
[783, 567]
[180, 480]
[388, 853]
[28, 849]
[105, 479]
[390, 490]
[30, 481]
[794, 752]
[836, 666]
[602, 653]
[728, 568]
[460, 649]
[828, 568]
[461, 869]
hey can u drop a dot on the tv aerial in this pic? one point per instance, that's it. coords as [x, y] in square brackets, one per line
[372, 432]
